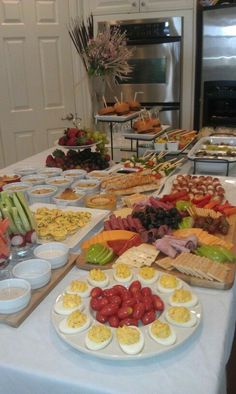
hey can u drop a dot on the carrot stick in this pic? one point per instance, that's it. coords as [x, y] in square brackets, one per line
[211, 204]
[229, 211]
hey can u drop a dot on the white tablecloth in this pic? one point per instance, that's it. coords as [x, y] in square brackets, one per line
[34, 360]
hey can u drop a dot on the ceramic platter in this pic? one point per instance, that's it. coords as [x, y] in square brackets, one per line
[228, 183]
[97, 215]
[131, 134]
[113, 351]
[80, 147]
[117, 118]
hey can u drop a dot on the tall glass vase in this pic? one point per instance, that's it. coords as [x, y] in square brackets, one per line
[97, 86]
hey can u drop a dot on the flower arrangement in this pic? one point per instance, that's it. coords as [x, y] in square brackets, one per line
[104, 55]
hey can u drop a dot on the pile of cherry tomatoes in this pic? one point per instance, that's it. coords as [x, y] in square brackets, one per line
[120, 306]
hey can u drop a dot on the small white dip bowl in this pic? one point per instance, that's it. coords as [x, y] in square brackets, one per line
[66, 203]
[87, 186]
[75, 174]
[25, 170]
[34, 179]
[55, 252]
[36, 271]
[17, 187]
[37, 194]
[15, 295]
[61, 182]
[50, 171]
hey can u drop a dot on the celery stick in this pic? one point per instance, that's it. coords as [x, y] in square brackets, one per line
[17, 221]
[7, 201]
[21, 213]
[26, 209]
[6, 214]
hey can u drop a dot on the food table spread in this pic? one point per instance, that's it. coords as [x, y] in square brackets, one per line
[33, 359]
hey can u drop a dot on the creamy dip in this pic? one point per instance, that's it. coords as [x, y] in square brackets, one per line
[50, 254]
[9, 293]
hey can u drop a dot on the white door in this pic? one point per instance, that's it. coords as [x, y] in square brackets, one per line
[36, 75]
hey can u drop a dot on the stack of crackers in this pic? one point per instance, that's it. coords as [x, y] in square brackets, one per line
[138, 256]
[203, 212]
[199, 267]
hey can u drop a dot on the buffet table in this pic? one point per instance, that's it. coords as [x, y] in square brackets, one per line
[33, 359]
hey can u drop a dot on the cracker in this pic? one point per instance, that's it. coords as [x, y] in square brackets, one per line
[165, 263]
[218, 272]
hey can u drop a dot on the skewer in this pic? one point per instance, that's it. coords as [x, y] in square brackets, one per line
[116, 100]
[104, 101]
[121, 97]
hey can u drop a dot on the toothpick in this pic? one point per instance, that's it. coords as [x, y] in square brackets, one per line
[121, 97]
[135, 95]
[104, 101]
[116, 100]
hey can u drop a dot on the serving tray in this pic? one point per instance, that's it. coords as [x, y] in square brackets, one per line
[201, 145]
[37, 295]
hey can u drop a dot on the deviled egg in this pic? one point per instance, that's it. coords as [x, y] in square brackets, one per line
[168, 283]
[162, 333]
[183, 297]
[147, 275]
[76, 322]
[181, 316]
[79, 287]
[122, 273]
[68, 303]
[98, 336]
[130, 339]
[98, 277]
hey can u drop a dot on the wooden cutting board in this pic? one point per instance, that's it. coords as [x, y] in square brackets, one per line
[15, 319]
[231, 237]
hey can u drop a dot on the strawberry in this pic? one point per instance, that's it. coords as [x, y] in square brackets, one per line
[72, 141]
[107, 157]
[72, 132]
[89, 141]
[62, 140]
[81, 133]
[50, 161]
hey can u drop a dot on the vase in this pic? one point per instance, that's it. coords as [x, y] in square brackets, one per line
[97, 85]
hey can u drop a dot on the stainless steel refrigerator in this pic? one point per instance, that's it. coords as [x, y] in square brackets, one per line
[217, 67]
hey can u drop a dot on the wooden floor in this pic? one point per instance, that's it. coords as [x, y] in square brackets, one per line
[231, 370]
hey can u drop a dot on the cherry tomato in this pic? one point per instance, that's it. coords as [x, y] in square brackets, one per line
[126, 295]
[135, 286]
[109, 310]
[115, 299]
[101, 302]
[101, 318]
[146, 291]
[96, 292]
[138, 296]
[94, 304]
[114, 321]
[109, 292]
[119, 289]
[149, 317]
[148, 303]
[128, 322]
[157, 303]
[138, 311]
[129, 302]
[124, 311]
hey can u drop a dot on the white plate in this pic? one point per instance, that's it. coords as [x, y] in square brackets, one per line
[228, 183]
[97, 215]
[117, 118]
[113, 351]
[79, 147]
[144, 137]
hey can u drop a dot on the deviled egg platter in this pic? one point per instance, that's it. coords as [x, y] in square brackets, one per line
[126, 313]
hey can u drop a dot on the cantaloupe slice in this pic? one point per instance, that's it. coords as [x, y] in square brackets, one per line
[203, 237]
[105, 236]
